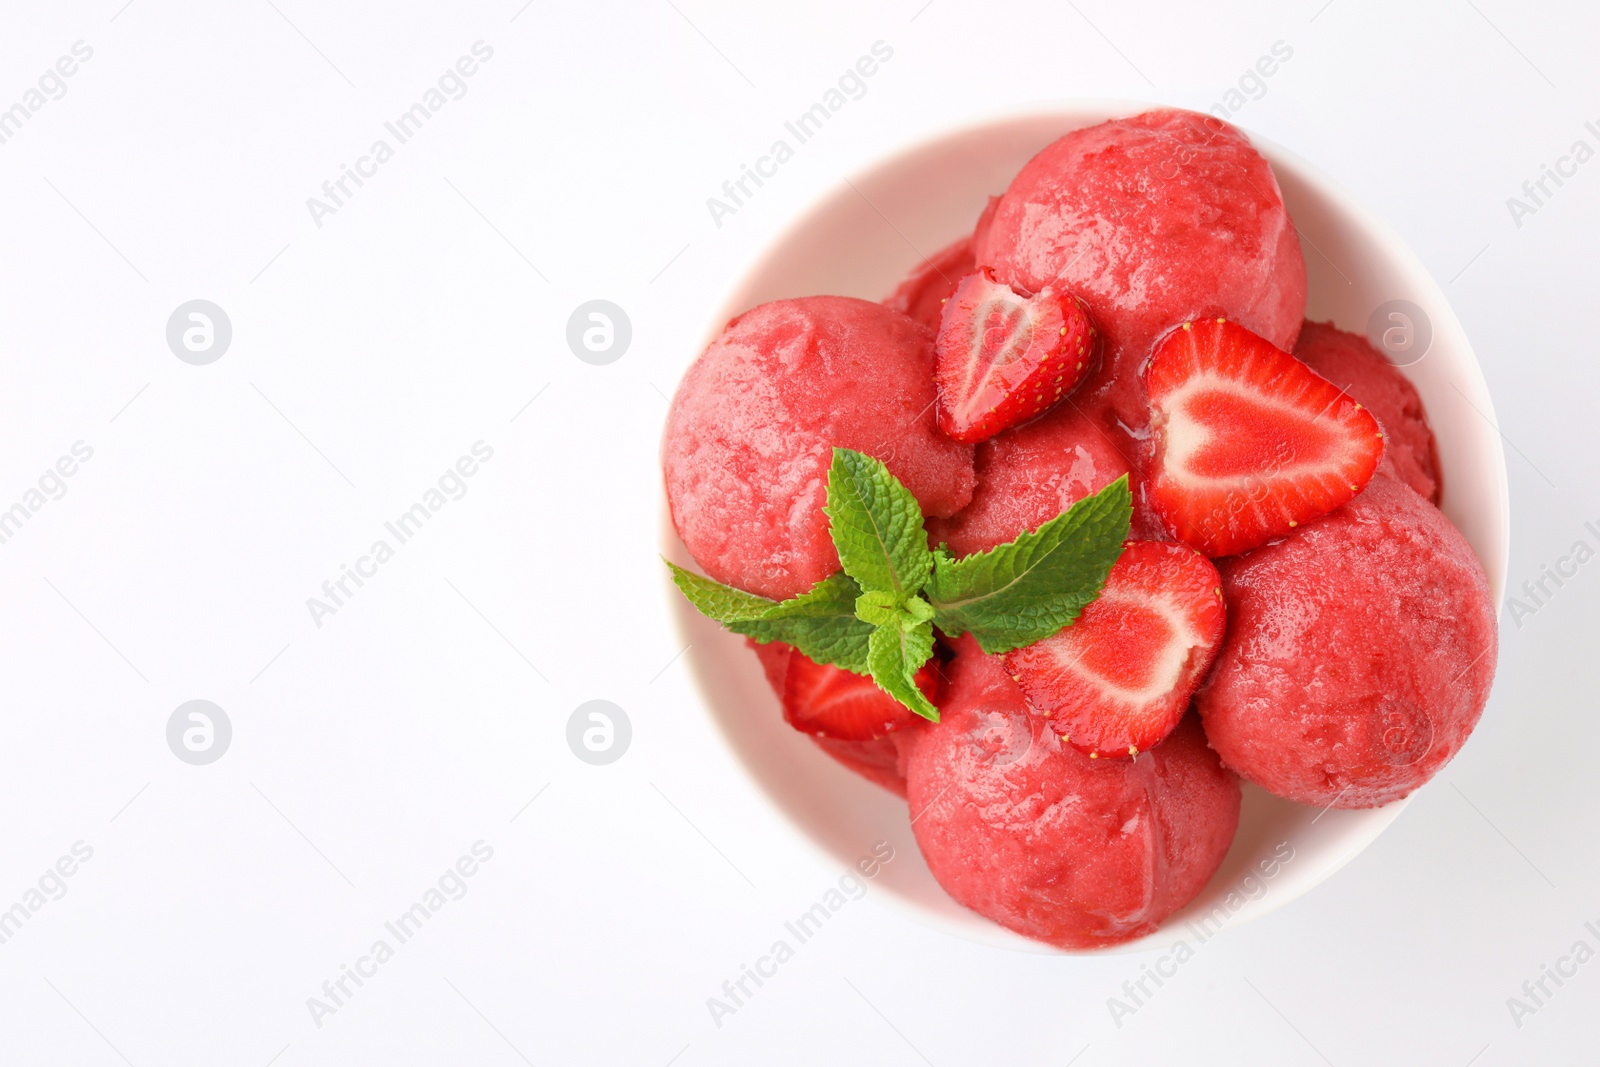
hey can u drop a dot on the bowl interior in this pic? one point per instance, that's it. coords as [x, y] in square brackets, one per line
[860, 241]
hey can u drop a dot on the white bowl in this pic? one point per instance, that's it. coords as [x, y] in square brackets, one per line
[860, 241]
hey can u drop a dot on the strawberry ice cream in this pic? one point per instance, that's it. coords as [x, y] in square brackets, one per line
[754, 422]
[1165, 216]
[1349, 361]
[1029, 475]
[1069, 850]
[1359, 654]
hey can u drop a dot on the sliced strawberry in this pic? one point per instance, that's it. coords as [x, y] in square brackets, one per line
[1118, 680]
[1001, 358]
[774, 657]
[1249, 441]
[832, 702]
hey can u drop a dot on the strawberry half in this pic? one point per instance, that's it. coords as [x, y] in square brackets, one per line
[774, 657]
[832, 702]
[1118, 680]
[1001, 358]
[1249, 441]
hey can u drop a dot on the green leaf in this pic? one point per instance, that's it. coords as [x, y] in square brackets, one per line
[895, 654]
[917, 612]
[821, 622]
[877, 526]
[716, 601]
[1028, 589]
[878, 608]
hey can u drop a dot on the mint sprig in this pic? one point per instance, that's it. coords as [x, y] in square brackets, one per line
[877, 616]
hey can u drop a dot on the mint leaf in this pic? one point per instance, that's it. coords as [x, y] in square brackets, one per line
[894, 654]
[918, 610]
[1026, 590]
[878, 608]
[877, 526]
[821, 622]
[716, 601]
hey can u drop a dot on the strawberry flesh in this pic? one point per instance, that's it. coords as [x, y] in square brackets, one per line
[1118, 680]
[1001, 358]
[829, 701]
[1248, 441]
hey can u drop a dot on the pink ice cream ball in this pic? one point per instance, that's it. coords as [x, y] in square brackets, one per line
[1359, 656]
[1349, 361]
[1072, 851]
[754, 423]
[1154, 220]
[1028, 475]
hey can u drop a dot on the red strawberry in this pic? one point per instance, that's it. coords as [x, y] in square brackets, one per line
[1001, 358]
[774, 657]
[832, 702]
[1249, 441]
[1119, 679]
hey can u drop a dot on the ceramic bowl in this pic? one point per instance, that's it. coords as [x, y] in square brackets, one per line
[860, 240]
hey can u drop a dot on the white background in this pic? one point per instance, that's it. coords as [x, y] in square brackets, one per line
[368, 354]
